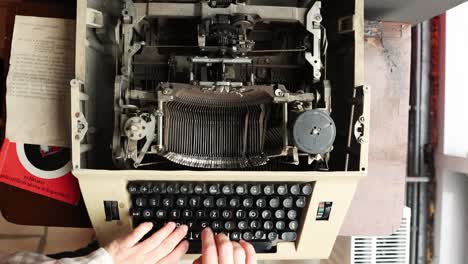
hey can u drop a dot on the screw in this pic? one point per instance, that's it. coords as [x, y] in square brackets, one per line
[167, 91]
[77, 137]
[317, 74]
[279, 93]
[77, 114]
[362, 119]
[318, 18]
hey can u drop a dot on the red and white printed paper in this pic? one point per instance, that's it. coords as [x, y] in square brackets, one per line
[40, 169]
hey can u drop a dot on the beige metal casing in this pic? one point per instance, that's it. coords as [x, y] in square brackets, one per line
[316, 238]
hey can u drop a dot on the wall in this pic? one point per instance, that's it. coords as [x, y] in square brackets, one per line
[411, 11]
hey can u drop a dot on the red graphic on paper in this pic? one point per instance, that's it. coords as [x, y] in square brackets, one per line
[39, 169]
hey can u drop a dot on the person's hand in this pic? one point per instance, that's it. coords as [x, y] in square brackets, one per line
[219, 249]
[163, 247]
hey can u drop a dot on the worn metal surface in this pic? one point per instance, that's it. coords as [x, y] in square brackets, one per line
[377, 205]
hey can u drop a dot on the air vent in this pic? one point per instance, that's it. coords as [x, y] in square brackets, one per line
[382, 250]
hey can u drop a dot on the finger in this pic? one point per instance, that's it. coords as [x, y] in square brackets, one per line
[177, 254]
[157, 238]
[136, 235]
[168, 244]
[251, 255]
[224, 247]
[209, 251]
[239, 253]
[198, 260]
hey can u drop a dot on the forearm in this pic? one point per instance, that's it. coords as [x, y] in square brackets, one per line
[99, 256]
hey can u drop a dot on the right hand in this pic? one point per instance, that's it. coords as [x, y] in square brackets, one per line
[219, 249]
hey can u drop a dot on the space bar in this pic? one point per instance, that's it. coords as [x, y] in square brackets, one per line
[260, 247]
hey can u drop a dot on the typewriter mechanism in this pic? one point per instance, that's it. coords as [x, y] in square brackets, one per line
[223, 85]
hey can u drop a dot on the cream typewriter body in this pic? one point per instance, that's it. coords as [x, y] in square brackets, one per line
[246, 116]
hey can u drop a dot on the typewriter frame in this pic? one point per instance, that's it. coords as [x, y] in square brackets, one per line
[315, 238]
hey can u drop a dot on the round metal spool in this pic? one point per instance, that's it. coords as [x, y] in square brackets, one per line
[314, 132]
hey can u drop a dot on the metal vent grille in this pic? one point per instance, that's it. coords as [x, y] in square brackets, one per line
[382, 250]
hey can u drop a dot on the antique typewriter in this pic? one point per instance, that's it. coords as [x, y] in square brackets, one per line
[245, 116]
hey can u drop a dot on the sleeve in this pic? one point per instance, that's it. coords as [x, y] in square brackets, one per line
[99, 256]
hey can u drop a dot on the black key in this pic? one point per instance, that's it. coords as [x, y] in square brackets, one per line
[259, 234]
[156, 188]
[295, 189]
[282, 189]
[181, 201]
[194, 202]
[307, 189]
[214, 189]
[227, 189]
[289, 236]
[175, 214]
[248, 202]
[241, 189]
[200, 214]
[268, 225]
[148, 214]
[261, 203]
[214, 214]
[253, 214]
[160, 214]
[190, 236]
[269, 189]
[132, 188]
[293, 225]
[266, 214]
[235, 236]
[229, 225]
[255, 224]
[280, 225]
[234, 202]
[227, 214]
[216, 225]
[242, 225]
[171, 188]
[272, 236]
[280, 214]
[208, 202]
[167, 202]
[274, 202]
[153, 201]
[199, 189]
[135, 212]
[301, 202]
[221, 202]
[241, 214]
[292, 214]
[144, 188]
[187, 214]
[255, 189]
[288, 202]
[204, 224]
[248, 236]
[190, 224]
[140, 201]
[163, 187]
[184, 189]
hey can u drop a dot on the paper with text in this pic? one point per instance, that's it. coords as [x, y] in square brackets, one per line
[38, 82]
